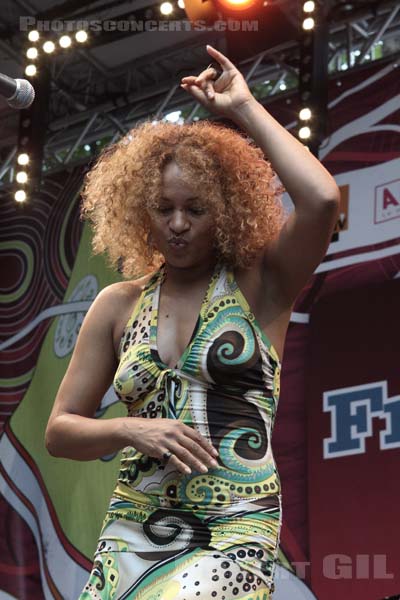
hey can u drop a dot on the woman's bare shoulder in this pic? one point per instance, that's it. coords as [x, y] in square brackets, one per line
[122, 291]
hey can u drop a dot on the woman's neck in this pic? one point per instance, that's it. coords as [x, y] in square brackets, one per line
[188, 276]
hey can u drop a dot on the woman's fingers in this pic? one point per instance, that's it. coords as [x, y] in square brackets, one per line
[190, 450]
[195, 91]
[209, 91]
[189, 454]
[179, 464]
[208, 74]
[201, 441]
[201, 456]
[206, 86]
[190, 79]
[220, 58]
[187, 458]
[205, 81]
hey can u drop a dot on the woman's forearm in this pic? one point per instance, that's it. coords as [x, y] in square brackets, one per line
[304, 177]
[84, 438]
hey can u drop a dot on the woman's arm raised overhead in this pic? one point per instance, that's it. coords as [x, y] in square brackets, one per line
[72, 432]
[290, 259]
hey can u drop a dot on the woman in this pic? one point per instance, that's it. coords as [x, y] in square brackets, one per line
[194, 347]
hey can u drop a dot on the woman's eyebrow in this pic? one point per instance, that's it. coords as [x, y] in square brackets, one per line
[186, 200]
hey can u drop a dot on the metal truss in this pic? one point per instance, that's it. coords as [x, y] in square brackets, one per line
[91, 105]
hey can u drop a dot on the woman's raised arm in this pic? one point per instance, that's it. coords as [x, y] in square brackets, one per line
[304, 239]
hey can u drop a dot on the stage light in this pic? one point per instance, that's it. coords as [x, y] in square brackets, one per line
[305, 114]
[166, 8]
[304, 133]
[22, 177]
[181, 4]
[308, 23]
[30, 70]
[23, 159]
[65, 41]
[33, 35]
[309, 6]
[49, 47]
[269, 24]
[32, 53]
[81, 36]
[20, 195]
[237, 4]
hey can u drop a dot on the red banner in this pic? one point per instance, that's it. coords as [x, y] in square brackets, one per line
[353, 406]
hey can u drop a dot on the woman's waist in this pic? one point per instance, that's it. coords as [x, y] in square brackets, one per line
[217, 490]
[243, 463]
[126, 501]
[135, 519]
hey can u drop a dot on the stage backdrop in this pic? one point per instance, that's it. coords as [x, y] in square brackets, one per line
[353, 432]
[336, 434]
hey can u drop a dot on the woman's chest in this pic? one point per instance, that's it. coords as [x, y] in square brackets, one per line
[176, 323]
[224, 353]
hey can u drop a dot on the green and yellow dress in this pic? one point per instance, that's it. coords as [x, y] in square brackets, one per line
[171, 536]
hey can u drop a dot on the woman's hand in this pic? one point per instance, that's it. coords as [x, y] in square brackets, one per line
[154, 437]
[224, 95]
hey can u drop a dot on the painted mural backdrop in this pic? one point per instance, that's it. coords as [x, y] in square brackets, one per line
[336, 438]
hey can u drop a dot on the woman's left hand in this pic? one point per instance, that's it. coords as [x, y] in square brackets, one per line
[224, 95]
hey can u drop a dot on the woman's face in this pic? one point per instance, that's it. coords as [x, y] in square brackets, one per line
[182, 226]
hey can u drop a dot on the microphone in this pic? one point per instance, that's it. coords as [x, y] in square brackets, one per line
[19, 93]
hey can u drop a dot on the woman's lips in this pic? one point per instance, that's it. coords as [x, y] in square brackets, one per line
[178, 244]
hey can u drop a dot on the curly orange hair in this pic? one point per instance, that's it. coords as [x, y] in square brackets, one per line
[225, 169]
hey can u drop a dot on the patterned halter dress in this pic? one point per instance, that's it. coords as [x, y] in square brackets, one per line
[171, 536]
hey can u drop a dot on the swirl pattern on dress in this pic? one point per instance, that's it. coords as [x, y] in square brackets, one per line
[163, 527]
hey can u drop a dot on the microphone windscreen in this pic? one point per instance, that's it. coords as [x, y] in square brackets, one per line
[23, 96]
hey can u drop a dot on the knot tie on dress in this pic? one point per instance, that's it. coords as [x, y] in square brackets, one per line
[171, 384]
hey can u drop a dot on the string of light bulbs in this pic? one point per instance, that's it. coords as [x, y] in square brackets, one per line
[37, 49]
[305, 113]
